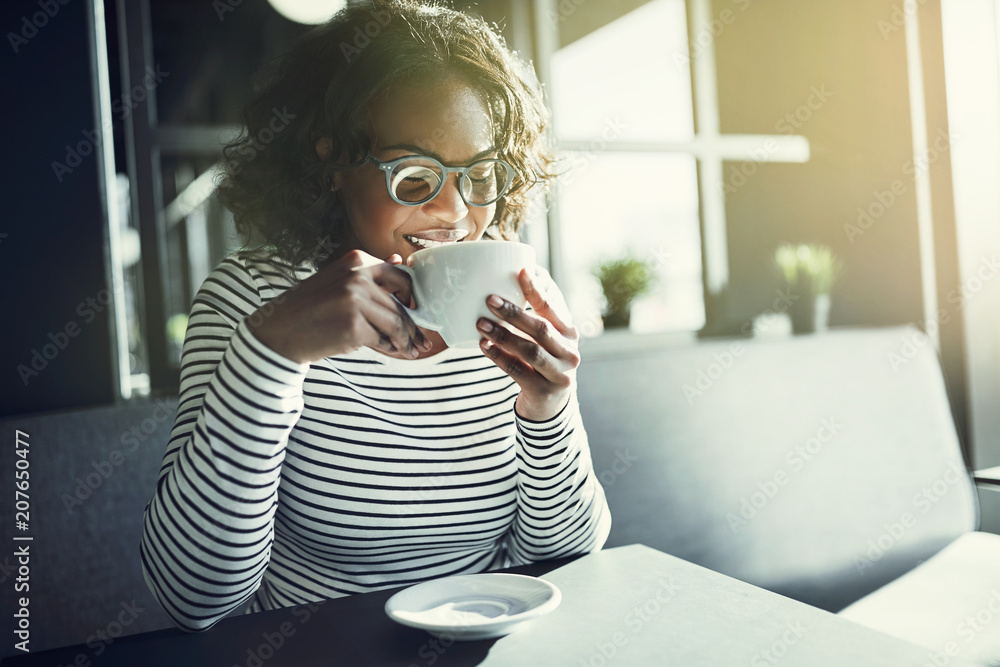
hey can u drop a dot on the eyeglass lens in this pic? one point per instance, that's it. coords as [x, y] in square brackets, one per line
[417, 180]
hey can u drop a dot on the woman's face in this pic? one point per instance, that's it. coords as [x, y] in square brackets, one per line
[447, 121]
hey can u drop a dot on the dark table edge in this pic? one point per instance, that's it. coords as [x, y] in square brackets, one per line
[532, 569]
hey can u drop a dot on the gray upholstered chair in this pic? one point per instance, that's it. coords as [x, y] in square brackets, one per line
[91, 472]
[821, 467]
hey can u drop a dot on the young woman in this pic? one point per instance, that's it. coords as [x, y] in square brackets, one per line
[324, 444]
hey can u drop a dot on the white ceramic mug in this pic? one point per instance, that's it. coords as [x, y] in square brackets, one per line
[451, 283]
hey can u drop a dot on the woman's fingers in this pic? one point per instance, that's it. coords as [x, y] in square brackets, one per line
[389, 327]
[544, 381]
[528, 353]
[386, 274]
[539, 330]
[348, 303]
[524, 375]
[392, 279]
[557, 315]
[386, 288]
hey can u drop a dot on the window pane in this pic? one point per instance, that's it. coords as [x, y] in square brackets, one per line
[610, 203]
[198, 233]
[632, 71]
[131, 269]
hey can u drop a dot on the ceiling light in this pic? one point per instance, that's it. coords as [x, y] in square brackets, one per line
[308, 11]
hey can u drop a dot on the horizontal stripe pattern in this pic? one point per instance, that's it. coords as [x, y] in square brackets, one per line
[289, 483]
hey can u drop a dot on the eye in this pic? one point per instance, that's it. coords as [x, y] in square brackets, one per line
[482, 173]
[414, 182]
[416, 174]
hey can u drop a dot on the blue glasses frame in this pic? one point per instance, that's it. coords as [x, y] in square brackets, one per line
[463, 172]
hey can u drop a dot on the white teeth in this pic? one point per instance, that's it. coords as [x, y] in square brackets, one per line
[426, 243]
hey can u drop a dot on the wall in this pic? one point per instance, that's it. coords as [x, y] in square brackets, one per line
[971, 30]
[837, 73]
[51, 259]
[776, 58]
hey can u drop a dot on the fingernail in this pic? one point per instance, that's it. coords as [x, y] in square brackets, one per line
[485, 325]
[494, 301]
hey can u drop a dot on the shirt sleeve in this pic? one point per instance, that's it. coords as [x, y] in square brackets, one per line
[208, 529]
[561, 507]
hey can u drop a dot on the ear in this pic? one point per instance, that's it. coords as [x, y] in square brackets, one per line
[324, 149]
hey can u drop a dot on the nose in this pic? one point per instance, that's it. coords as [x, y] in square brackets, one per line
[448, 205]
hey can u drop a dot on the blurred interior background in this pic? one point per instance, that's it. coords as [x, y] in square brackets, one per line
[697, 137]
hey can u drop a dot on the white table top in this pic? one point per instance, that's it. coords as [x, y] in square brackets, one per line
[638, 606]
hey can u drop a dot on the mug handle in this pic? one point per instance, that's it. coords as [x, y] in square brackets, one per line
[420, 316]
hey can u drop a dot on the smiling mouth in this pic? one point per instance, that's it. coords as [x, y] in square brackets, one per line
[436, 237]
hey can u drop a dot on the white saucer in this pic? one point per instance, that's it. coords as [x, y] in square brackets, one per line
[473, 606]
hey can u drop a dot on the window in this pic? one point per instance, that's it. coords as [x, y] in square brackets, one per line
[618, 97]
[174, 127]
[647, 166]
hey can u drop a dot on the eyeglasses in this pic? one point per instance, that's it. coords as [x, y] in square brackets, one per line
[416, 179]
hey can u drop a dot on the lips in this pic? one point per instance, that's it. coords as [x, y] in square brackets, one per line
[430, 238]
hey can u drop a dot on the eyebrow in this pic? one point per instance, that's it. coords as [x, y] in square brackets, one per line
[424, 151]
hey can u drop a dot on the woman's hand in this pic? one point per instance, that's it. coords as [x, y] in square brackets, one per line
[345, 305]
[539, 352]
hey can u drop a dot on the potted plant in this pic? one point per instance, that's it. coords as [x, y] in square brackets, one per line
[623, 281]
[809, 271]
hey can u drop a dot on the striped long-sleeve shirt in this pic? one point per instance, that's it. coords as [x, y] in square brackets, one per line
[291, 483]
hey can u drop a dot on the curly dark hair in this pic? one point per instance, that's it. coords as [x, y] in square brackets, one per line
[274, 183]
